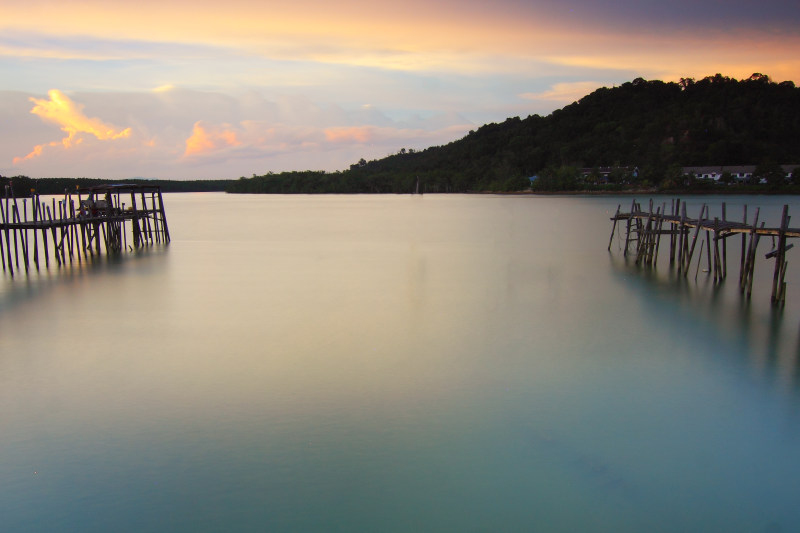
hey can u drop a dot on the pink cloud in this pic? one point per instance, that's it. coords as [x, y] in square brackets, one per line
[358, 134]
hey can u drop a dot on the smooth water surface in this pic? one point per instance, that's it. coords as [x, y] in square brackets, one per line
[398, 363]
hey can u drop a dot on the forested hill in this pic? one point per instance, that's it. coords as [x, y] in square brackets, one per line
[653, 125]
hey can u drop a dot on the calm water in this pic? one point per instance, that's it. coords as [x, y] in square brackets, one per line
[398, 364]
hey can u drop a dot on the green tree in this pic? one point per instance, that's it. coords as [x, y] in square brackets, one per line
[772, 172]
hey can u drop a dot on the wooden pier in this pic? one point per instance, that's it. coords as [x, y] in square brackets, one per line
[77, 226]
[644, 229]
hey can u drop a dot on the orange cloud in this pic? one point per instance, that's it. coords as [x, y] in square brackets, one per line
[69, 115]
[60, 110]
[204, 140]
[466, 36]
[360, 134]
[37, 151]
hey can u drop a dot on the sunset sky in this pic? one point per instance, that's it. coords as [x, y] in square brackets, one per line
[179, 89]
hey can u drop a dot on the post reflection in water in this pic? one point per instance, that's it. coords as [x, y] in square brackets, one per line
[759, 329]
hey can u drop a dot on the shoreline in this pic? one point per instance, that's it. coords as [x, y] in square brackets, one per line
[639, 192]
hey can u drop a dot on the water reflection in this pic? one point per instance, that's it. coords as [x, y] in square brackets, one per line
[765, 335]
[22, 288]
[439, 364]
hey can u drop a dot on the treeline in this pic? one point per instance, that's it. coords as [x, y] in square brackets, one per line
[654, 126]
[23, 185]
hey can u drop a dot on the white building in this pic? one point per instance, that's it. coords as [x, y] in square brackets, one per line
[740, 173]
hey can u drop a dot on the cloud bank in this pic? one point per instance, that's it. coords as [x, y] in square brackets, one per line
[184, 134]
[63, 112]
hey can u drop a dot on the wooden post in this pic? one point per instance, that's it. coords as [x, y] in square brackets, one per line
[673, 238]
[2, 250]
[70, 227]
[148, 233]
[4, 212]
[699, 260]
[164, 226]
[107, 216]
[82, 222]
[717, 259]
[644, 237]
[44, 236]
[681, 238]
[137, 237]
[708, 242]
[155, 217]
[781, 253]
[53, 232]
[724, 245]
[23, 231]
[96, 237]
[14, 218]
[673, 212]
[659, 230]
[744, 252]
[34, 202]
[628, 228]
[105, 237]
[753, 265]
[61, 216]
[746, 261]
[694, 240]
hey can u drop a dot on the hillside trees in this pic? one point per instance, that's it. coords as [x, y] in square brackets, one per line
[654, 125]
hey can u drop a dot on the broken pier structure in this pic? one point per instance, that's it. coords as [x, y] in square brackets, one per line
[645, 228]
[77, 226]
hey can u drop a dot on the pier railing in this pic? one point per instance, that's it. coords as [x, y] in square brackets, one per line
[79, 225]
[644, 229]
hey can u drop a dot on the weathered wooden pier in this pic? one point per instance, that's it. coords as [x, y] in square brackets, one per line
[81, 224]
[644, 229]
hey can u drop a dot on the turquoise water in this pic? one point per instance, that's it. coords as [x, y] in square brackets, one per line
[398, 363]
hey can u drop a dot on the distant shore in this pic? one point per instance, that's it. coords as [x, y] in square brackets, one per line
[655, 191]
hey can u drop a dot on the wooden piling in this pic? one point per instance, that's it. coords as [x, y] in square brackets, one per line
[747, 257]
[753, 265]
[628, 230]
[779, 259]
[4, 211]
[709, 258]
[681, 238]
[44, 237]
[717, 253]
[161, 210]
[649, 227]
[35, 208]
[137, 231]
[694, 240]
[724, 245]
[14, 218]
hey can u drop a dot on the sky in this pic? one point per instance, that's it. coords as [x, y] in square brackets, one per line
[179, 89]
